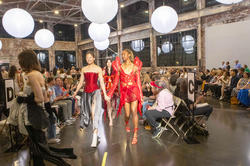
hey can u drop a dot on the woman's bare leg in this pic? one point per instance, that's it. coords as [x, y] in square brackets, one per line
[135, 120]
[127, 115]
[109, 108]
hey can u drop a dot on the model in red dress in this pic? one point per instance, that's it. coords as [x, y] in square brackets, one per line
[130, 87]
[109, 75]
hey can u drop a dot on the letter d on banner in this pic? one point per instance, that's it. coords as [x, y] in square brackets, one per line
[191, 87]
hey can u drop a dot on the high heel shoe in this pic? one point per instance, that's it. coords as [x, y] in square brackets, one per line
[135, 140]
[127, 127]
[94, 141]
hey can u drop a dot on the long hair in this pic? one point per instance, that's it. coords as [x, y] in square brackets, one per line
[12, 72]
[106, 68]
[131, 54]
[28, 61]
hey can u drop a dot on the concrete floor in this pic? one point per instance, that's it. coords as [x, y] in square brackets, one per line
[228, 144]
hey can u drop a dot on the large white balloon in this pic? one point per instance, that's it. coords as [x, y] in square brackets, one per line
[44, 38]
[137, 45]
[1, 44]
[229, 1]
[18, 23]
[102, 45]
[167, 47]
[164, 19]
[99, 32]
[189, 50]
[100, 11]
[187, 42]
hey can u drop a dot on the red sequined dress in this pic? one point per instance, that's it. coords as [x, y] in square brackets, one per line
[130, 84]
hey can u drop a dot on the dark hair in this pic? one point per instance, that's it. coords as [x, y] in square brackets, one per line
[242, 69]
[28, 61]
[43, 70]
[50, 79]
[12, 71]
[106, 68]
[54, 71]
[235, 70]
[91, 53]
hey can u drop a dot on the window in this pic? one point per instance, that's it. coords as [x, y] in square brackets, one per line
[65, 59]
[211, 3]
[141, 49]
[171, 52]
[43, 57]
[84, 31]
[135, 14]
[113, 24]
[84, 52]
[181, 6]
[109, 53]
[64, 32]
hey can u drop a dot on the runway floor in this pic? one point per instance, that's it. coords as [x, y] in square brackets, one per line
[228, 144]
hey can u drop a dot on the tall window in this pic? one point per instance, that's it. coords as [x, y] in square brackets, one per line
[84, 31]
[43, 57]
[84, 52]
[181, 6]
[64, 32]
[135, 14]
[141, 49]
[178, 49]
[109, 53]
[65, 59]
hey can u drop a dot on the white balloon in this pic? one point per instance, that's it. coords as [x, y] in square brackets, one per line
[44, 38]
[228, 2]
[158, 51]
[18, 23]
[100, 11]
[137, 45]
[187, 42]
[189, 50]
[164, 19]
[102, 45]
[99, 32]
[167, 47]
[1, 45]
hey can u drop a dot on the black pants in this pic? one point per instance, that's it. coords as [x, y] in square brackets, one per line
[153, 115]
[207, 110]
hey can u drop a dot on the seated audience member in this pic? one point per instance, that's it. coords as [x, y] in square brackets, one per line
[244, 95]
[237, 65]
[4, 73]
[228, 66]
[246, 68]
[148, 97]
[212, 82]
[240, 72]
[233, 82]
[241, 83]
[181, 92]
[163, 109]
[57, 98]
[224, 83]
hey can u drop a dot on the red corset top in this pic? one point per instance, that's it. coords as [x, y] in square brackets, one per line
[90, 82]
[127, 80]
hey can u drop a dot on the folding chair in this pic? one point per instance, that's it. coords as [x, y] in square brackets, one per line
[177, 102]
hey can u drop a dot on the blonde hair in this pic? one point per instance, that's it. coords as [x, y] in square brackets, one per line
[131, 54]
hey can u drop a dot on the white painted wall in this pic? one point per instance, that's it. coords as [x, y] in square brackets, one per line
[227, 42]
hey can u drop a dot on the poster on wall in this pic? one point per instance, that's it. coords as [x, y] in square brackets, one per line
[9, 92]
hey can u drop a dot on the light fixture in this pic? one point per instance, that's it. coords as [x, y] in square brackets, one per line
[187, 42]
[44, 38]
[100, 11]
[1, 44]
[75, 25]
[18, 23]
[158, 51]
[189, 50]
[122, 6]
[41, 21]
[146, 11]
[164, 19]
[167, 47]
[56, 12]
[102, 45]
[1, 2]
[228, 2]
[137, 45]
[99, 32]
